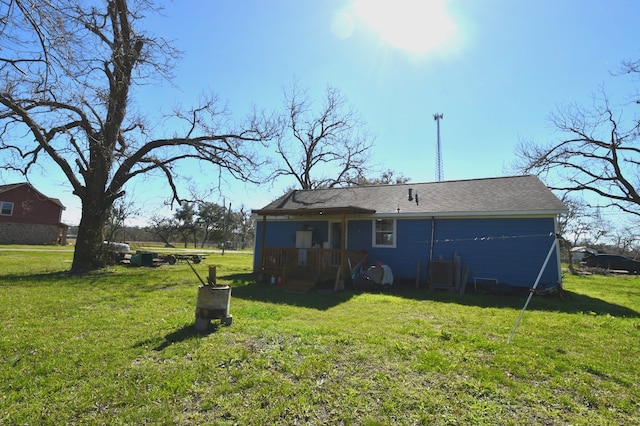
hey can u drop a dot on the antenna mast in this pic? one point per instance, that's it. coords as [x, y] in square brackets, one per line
[439, 168]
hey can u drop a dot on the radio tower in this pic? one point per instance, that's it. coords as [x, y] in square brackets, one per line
[439, 169]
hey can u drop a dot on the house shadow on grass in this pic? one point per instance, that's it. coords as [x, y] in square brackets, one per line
[319, 300]
[570, 302]
[245, 286]
[248, 289]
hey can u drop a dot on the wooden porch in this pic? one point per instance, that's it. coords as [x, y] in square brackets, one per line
[301, 269]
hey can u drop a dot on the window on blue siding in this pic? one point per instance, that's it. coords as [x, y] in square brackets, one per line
[384, 233]
[6, 208]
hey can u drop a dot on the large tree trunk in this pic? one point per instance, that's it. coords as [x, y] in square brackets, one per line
[89, 252]
[66, 69]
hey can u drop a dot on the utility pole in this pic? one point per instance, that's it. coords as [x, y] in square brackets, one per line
[439, 168]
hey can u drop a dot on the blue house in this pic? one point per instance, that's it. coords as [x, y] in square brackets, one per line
[451, 234]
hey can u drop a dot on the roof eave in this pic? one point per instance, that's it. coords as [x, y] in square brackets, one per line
[313, 211]
[547, 212]
[361, 211]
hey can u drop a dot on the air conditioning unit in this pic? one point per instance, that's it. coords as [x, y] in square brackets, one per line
[441, 273]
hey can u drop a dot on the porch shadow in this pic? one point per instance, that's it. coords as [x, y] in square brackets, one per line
[320, 300]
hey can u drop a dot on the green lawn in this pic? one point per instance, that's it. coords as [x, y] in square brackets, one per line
[119, 347]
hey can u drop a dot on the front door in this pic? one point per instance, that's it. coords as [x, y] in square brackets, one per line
[335, 235]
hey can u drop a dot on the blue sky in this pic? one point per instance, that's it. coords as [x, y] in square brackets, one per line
[496, 69]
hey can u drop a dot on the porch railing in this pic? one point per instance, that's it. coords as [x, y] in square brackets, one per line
[316, 262]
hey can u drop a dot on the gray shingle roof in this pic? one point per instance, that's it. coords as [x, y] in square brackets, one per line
[505, 195]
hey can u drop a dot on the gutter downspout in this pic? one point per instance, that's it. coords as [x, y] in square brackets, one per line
[433, 232]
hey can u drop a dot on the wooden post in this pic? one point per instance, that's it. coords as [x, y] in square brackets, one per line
[212, 275]
[337, 286]
[343, 238]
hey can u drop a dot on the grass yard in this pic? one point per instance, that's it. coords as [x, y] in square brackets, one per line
[119, 347]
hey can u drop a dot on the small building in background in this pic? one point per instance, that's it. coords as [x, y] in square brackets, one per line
[579, 254]
[27, 216]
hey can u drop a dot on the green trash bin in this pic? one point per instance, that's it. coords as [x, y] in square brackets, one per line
[142, 259]
[136, 260]
[147, 259]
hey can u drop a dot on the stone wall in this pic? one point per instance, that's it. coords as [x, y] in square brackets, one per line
[25, 233]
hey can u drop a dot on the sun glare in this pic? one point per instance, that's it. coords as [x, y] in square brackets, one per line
[415, 26]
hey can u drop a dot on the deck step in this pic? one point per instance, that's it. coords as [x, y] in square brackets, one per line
[300, 285]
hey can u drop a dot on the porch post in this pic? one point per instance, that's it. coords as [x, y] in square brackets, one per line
[264, 232]
[343, 254]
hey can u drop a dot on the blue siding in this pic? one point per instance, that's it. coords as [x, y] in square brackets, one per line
[411, 245]
[359, 235]
[509, 250]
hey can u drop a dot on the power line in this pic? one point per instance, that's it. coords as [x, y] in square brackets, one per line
[486, 238]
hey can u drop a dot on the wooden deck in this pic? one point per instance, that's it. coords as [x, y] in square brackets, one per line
[302, 269]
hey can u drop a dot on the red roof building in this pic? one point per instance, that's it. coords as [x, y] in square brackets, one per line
[29, 217]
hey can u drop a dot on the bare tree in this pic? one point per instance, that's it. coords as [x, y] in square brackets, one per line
[121, 210]
[211, 221]
[185, 217]
[246, 226]
[582, 222]
[326, 148]
[67, 69]
[598, 154]
[386, 178]
[163, 227]
[624, 241]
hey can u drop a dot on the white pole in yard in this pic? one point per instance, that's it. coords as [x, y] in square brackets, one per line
[544, 265]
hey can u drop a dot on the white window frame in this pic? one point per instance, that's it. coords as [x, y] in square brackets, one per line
[374, 232]
[2, 207]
